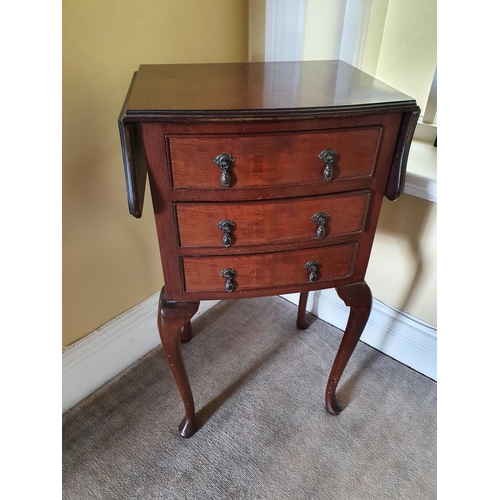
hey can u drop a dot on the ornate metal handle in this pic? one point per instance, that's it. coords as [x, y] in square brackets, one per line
[228, 274]
[224, 161]
[320, 218]
[226, 225]
[312, 266]
[328, 155]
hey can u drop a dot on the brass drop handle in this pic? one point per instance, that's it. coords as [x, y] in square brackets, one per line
[226, 225]
[224, 161]
[321, 219]
[228, 274]
[328, 155]
[312, 266]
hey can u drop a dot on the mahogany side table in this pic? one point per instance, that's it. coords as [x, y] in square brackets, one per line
[266, 179]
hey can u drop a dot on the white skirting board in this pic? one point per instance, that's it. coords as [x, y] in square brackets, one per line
[91, 362]
[401, 336]
[99, 357]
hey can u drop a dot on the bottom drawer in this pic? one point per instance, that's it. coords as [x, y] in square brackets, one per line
[267, 270]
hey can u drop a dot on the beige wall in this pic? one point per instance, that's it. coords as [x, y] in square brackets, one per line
[256, 30]
[111, 260]
[322, 30]
[408, 51]
[403, 266]
[403, 263]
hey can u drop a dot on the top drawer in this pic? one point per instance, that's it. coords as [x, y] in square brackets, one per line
[273, 159]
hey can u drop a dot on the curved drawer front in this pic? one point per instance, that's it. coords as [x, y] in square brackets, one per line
[220, 225]
[272, 159]
[268, 270]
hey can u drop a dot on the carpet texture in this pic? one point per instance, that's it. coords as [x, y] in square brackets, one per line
[258, 384]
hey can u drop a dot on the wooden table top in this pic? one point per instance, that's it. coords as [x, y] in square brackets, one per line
[257, 89]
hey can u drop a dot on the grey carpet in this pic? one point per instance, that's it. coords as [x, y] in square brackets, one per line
[258, 385]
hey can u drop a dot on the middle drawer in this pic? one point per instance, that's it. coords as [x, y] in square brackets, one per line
[221, 224]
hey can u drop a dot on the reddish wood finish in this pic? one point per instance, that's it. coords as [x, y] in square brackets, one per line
[273, 159]
[359, 298]
[397, 174]
[274, 89]
[277, 269]
[172, 316]
[302, 322]
[186, 333]
[274, 119]
[271, 222]
[133, 160]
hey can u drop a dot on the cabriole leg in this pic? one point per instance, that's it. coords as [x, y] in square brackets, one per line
[359, 298]
[172, 319]
[302, 323]
[186, 334]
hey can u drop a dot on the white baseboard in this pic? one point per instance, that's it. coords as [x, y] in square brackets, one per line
[401, 336]
[96, 359]
[91, 362]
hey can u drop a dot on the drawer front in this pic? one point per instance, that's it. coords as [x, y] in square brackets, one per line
[279, 269]
[253, 223]
[272, 159]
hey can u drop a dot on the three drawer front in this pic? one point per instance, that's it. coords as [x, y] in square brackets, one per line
[267, 160]
[279, 269]
[218, 225]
